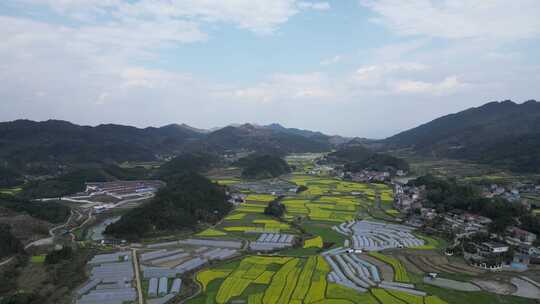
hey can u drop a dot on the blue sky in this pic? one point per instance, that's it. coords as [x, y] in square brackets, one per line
[353, 67]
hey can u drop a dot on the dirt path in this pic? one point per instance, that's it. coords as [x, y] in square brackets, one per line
[6, 261]
[525, 289]
[497, 287]
[451, 284]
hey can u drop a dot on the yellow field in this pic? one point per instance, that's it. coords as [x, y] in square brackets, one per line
[236, 216]
[387, 296]
[265, 198]
[251, 229]
[207, 276]
[268, 279]
[326, 208]
[211, 232]
[316, 242]
[227, 182]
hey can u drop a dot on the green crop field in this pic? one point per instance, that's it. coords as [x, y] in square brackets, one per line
[38, 259]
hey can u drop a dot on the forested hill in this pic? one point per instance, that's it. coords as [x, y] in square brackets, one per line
[357, 158]
[186, 200]
[30, 146]
[265, 140]
[262, 166]
[44, 148]
[504, 134]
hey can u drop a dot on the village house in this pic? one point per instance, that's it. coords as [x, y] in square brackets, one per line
[518, 236]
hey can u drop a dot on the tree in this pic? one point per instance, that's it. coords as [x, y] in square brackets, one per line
[55, 256]
[9, 244]
[275, 208]
[301, 188]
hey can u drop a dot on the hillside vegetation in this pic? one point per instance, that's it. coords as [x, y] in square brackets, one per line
[9, 244]
[357, 158]
[33, 146]
[187, 199]
[53, 147]
[48, 211]
[503, 134]
[262, 166]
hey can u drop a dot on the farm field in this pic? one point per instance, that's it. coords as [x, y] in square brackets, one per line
[248, 220]
[329, 200]
[38, 259]
[272, 279]
[400, 273]
[329, 214]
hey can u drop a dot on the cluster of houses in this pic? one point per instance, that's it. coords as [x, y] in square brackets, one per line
[511, 194]
[320, 169]
[406, 197]
[515, 248]
[368, 176]
[464, 224]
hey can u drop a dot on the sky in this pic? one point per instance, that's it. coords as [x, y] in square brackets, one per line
[368, 68]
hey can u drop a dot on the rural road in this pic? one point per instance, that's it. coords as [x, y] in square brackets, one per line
[137, 276]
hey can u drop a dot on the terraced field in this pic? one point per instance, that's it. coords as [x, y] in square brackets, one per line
[325, 223]
[329, 200]
[271, 279]
[400, 273]
[248, 220]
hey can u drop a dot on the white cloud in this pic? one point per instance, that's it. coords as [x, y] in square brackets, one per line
[318, 6]
[455, 19]
[259, 16]
[330, 61]
[285, 87]
[450, 84]
[402, 78]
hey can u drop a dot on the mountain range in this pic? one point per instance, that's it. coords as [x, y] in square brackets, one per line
[39, 147]
[504, 134]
